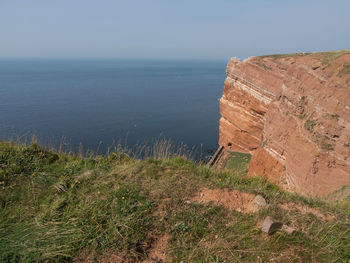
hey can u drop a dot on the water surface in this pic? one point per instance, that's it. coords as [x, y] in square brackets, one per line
[93, 101]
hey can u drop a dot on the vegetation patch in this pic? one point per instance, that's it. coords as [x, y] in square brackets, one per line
[309, 125]
[324, 57]
[278, 56]
[345, 70]
[238, 162]
[65, 208]
[327, 57]
[324, 142]
[264, 143]
[263, 66]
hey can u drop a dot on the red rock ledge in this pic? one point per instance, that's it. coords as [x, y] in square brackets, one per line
[292, 113]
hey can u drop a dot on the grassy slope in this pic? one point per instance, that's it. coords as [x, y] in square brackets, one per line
[55, 207]
[325, 57]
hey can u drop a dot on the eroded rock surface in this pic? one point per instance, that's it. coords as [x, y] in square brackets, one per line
[292, 113]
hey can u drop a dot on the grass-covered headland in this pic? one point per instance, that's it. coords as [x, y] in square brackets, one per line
[57, 207]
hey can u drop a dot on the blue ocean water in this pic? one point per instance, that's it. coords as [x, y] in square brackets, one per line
[93, 101]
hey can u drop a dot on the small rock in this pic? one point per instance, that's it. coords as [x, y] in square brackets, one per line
[271, 225]
[289, 230]
[257, 203]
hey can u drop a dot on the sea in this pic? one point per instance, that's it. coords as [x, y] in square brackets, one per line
[96, 104]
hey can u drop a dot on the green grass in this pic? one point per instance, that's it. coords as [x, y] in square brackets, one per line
[278, 56]
[324, 142]
[327, 57]
[309, 125]
[238, 162]
[324, 57]
[263, 66]
[55, 207]
[345, 70]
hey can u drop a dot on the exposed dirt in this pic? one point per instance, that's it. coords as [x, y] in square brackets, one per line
[157, 253]
[230, 199]
[243, 202]
[84, 256]
[306, 210]
[111, 258]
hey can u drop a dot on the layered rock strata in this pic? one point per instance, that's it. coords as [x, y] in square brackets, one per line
[292, 113]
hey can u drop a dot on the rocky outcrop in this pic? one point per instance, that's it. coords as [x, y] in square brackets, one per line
[292, 113]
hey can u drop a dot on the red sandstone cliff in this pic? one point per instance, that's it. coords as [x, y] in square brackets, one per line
[292, 113]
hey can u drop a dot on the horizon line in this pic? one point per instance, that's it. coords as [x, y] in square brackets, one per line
[112, 58]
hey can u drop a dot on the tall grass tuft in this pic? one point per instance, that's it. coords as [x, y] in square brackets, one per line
[157, 148]
[162, 148]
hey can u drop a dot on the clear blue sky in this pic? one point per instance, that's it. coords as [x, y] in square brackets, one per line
[190, 29]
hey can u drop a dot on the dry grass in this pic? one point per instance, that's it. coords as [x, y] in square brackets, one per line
[345, 70]
[327, 57]
[56, 207]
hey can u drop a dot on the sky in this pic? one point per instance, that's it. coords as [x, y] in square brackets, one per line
[164, 29]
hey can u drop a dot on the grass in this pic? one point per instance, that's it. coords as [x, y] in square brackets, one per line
[263, 66]
[324, 57]
[278, 56]
[309, 125]
[327, 57]
[324, 142]
[238, 162]
[345, 70]
[57, 208]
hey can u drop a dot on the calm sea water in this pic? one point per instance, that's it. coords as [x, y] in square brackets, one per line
[97, 101]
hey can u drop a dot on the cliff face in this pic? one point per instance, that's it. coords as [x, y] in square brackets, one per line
[292, 113]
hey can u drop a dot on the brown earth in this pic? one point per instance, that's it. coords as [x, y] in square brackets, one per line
[230, 199]
[302, 209]
[245, 202]
[155, 254]
[292, 113]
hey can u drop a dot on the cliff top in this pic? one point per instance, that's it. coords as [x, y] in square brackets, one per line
[333, 65]
[325, 57]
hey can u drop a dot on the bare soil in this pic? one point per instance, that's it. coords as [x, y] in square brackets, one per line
[306, 210]
[230, 199]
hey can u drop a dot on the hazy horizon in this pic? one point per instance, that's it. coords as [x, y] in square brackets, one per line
[158, 29]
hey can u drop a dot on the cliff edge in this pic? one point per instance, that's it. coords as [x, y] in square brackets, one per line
[292, 114]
